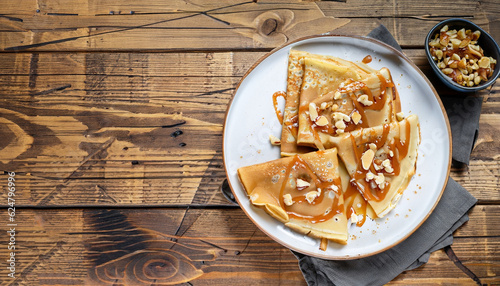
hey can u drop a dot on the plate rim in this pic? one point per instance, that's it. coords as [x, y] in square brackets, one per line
[400, 55]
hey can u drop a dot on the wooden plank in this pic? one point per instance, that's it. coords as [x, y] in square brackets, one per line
[93, 25]
[77, 125]
[99, 246]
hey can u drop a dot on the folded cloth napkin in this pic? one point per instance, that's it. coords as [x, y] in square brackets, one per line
[463, 110]
[463, 113]
[435, 233]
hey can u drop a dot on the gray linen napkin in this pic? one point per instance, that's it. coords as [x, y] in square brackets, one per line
[463, 114]
[463, 110]
[435, 233]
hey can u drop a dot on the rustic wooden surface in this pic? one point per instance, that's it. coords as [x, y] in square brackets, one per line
[111, 116]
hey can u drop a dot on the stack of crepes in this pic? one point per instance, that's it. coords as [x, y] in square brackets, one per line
[347, 151]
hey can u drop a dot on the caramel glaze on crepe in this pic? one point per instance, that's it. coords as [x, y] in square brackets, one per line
[336, 98]
[304, 192]
[381, 161]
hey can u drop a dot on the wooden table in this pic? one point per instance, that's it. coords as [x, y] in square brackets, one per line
[111, 118]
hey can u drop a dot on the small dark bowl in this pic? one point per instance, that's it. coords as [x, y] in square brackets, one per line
[485, 41]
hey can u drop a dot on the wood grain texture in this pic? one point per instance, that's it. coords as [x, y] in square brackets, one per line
[222, 25]
[106, 246]
[78, 126]
[111, 115]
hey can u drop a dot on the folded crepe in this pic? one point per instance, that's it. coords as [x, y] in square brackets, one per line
[381, 161]
[338, 96]
[303, 191]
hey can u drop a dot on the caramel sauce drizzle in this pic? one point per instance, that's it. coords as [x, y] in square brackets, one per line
[299, 163]
[279, 114]
[352, 86]
[398, 147]
[367, 59]
[349, 195]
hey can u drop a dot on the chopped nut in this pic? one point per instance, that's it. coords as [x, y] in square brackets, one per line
[321, 121]
[484, 62]
[477, 80]
[356, 117]
[323, 105]
[447, 71]
[287, 199]
[462, 64]
[461, 34]
[439, 54]
[333, 187]
[354, 218]
[301, 184]
[380, 180]
[387, 166]
[335, 107]
[340, 124]
[339, 131]
[313, 112]
[369, 176]
[466, 55]
[367, 158]
[476, 35]
[363, 99]
[373, 146]
[400, 116]
[338, 116]
[274, 140]
[311, 196]
[337, 95]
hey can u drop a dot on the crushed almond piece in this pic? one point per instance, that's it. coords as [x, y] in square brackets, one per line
[387, 166]
[301, 184]
[337, 95]
[363, 99]
[356, 117]
[338, 116]
[369, 176]
[367, 158]
[333, 187]
[274, 140]
[340, 124]
[400, 116]
[380, 180]
[311, 196]
[321, 121]
[373, 146]
[354, 218]
[287, 199]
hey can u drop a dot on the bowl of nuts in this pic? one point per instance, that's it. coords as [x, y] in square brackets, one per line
[463, 55]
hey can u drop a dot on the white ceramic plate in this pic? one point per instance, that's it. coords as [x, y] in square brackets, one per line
[251, 118]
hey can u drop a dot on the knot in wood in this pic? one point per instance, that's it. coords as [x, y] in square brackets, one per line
[269, 26]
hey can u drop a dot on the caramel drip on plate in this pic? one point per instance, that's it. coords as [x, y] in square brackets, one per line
[367, 59]
[297, 164]
[279, 114]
